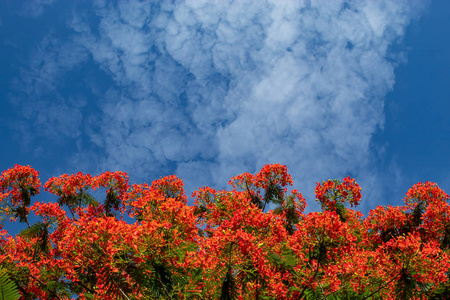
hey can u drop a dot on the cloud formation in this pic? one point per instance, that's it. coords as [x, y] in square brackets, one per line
[208, 90]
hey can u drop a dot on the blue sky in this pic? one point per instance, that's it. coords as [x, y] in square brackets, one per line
[208, 90]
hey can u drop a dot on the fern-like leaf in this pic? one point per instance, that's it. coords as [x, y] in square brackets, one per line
[111, 202]
[40, 230]
[405, 285]
[8, 289]
[274, 193]
[85, 198]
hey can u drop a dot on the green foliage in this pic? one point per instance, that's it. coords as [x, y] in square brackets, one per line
[111, 202]
[407, 286]
[311, 294]
[248, 273]
[257, 201]
[416, 214]
[8, 289]
[274, 193]
[441, 294]
[38, 229]
[229, 289]
[287, 206]
[21, 213]
[286, 260]
[445, 242]
[82, 198]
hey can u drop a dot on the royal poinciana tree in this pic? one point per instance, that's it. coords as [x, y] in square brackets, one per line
[145, 242]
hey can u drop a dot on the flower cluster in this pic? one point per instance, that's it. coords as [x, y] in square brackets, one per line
[116, 182]
[331, 192]
[17, 181]
[223, 246]
[68, 185]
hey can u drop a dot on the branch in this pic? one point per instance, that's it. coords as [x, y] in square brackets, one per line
[43, 284]
[315, 274]
[124, 293]
[381, 287]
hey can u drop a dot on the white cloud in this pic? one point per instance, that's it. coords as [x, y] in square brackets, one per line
[46, 112]
[212, 89]
[35, 8]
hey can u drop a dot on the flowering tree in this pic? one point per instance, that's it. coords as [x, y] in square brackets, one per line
[145, 242]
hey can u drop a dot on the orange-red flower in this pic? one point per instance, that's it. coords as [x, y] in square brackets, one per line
[224, 243]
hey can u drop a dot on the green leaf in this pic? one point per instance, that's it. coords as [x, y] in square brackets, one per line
[274, 194]
[40, 230]
[111, 202]
[8, 289]
[248, 273]
[311, 294]
[80, 199]
[286, 260]
[257, 201]
[33, 231]
[405, 285]
[87, 199]
[21, 213]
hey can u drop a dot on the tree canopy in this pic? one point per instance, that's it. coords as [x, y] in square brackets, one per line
[146, 242]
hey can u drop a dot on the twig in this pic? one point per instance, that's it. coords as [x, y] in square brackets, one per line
[124, 293]
[381, 287]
